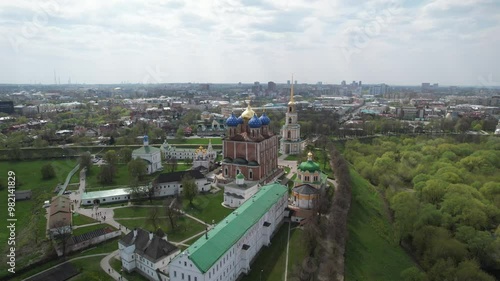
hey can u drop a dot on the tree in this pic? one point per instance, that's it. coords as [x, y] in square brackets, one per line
[61, 234]
[413, 274]
[189, 188]
[171, 164]
[85, 161]
[48, 171]
[111, 157]
[179, 135]
[154, 217]
[171, 206]
[126, 154]
[106, 174]
[137, 169]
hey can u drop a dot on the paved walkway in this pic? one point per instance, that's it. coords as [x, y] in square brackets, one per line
[287, 249]
[107, 267]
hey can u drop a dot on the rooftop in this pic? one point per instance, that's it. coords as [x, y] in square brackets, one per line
[146, 149]
[105, 193]
[205, 252]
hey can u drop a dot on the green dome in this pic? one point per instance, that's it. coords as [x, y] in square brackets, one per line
[310, 166]
[240, 176]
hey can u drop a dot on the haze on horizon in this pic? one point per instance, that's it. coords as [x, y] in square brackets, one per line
[228, 41]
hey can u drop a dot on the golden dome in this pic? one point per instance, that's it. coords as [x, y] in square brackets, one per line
[248, 113]
[309, 154]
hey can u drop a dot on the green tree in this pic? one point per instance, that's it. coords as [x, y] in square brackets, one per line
[106, 174]
[189, 188]
[111, 157]
[404, 205]
[137, 169]
[48, 171]
[413, 274]
[85, 161]
[125, 154]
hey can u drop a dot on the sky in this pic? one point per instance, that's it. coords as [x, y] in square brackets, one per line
[450, 42]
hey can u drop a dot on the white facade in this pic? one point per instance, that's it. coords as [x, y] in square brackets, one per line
[236, 194]
[186, 153]
[151, 155]
[175, 187]
[237, 258]
[133, 260]
[290, 133]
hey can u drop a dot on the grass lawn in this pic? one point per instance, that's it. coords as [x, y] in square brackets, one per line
[121, 177]
[73, 186]
[371, 253]
[135, 211]
[199, 141]
[106, 247]
[207, 207]
[271, 260]
[29, 213]
[292, 158]
[186, 227]
[90, 269]
[81, 219]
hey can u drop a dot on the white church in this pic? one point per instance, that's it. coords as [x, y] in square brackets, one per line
[227, 250]
[150, 154]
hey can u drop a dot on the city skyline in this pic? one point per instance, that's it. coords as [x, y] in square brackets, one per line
[226, 41]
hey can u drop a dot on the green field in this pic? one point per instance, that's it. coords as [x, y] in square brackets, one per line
[292, 158]
[207, 207]
[271, 260]
[135, 212]
[81, 219]
[371, 251]
[31, 222]
[186, 227]
[90, 228]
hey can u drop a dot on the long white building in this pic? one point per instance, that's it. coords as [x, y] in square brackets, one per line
[225, 252]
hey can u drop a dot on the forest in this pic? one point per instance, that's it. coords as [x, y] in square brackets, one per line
[443, 198]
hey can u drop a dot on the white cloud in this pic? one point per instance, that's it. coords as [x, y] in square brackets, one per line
[375, 41]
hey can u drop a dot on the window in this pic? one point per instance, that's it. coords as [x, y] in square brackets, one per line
[185, 263]
[290, 120]
[289, 134]
[182, 276]
[250, 174]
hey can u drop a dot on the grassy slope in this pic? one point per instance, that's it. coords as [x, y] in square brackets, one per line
[371, 253]
[28, 176]
[271, 260]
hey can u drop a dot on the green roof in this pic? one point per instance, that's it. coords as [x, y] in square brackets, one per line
[310, 166]
[146, 149]
[205, 252]
[240, 176]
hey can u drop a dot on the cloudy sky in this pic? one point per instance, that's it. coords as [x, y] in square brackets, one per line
[450, 42]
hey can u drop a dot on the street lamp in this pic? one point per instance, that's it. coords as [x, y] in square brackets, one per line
[262, 270]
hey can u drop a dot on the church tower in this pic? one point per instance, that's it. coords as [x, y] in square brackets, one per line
[291, 143]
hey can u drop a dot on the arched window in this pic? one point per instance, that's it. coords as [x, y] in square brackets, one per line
[289, 134]
[290, 109]
[250, 174]
[290, 120]
[225, 171]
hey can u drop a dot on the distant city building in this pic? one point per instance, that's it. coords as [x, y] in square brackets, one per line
[226, 251]
[428, 88]
[291, 143]
[381, 89]
[271, 86]
[147, 253]
[150, 154]
[7, 107]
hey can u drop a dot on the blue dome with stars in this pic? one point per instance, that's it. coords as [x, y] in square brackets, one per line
[264, 119]
[232, 121]
[254, 122]
[240, 120]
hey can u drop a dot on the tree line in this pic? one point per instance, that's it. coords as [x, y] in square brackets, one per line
[444, 198]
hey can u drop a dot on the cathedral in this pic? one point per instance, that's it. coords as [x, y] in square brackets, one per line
[250, 157]
[291, 143]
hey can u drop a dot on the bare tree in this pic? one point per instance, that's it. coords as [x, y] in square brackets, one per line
[171, 211]
[154, 217]
[61, 234]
